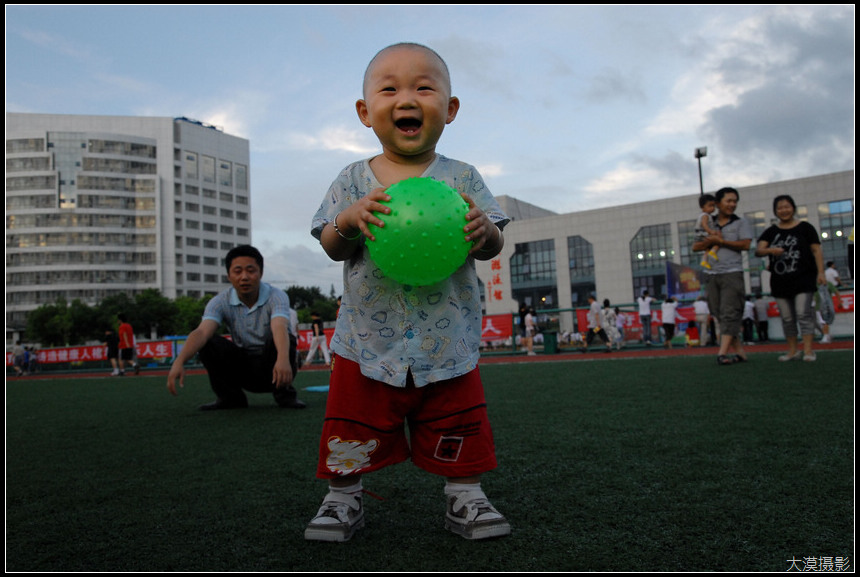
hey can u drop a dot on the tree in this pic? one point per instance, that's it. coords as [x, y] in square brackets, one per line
[189, 313]
[154, 310]
[108, 309]
[303, 297]
[49, 324]
[305, 300]
[84, 324]
[64, 324]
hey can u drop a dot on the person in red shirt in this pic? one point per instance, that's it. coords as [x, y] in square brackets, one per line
[126, 345]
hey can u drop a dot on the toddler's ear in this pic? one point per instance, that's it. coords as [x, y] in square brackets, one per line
[453, 108]
[361, 109]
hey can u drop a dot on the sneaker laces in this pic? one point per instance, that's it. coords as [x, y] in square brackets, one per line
[335, 508]
[478, 507]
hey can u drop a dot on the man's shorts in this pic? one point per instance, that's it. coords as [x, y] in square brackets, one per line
[126, 354]
[364, 428]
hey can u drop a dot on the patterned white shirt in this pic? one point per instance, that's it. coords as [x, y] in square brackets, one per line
[389, 328]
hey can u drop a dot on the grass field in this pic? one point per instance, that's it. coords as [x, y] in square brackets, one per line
[656, 464]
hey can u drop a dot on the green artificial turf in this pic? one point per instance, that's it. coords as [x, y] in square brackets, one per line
[660, 464]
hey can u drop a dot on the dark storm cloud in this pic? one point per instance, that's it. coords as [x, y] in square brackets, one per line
[672, 167]
[805, 94]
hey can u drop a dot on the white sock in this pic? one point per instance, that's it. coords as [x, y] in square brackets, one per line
[454, 488]
[354, 488]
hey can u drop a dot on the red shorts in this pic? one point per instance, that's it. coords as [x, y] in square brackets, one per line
[364, 428]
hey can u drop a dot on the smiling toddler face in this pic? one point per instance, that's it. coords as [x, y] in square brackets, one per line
[407, 100]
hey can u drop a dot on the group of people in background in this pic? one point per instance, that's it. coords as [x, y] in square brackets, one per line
[797, 270]
[25, 360]
[801, 283]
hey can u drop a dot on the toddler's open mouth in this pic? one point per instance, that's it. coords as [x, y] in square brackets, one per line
[408, 125]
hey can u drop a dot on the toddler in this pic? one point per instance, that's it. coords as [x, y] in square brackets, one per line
[705, 228]
[405, 354]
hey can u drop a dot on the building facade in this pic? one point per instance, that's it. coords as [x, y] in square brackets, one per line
[554, 261]
[101, 205]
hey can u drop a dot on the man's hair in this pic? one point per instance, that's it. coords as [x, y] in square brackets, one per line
[122, 318]
[703, 198]
[243, 250]
[724, 191]
[412, 45]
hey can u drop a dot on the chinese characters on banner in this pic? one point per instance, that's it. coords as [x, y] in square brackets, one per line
[150, 350]
[495, 287]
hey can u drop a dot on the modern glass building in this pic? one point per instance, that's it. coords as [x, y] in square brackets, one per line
[100, 205]
[554, 261]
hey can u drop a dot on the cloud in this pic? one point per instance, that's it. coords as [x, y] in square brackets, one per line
[57, 44]
[803, 98]
[771, 97]
[490, 170]
[475, 64]
[612, 84]
[125, 84]
[332, 139]
[299, 265]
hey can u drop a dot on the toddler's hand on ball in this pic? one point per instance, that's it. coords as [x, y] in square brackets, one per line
[358, 215]
[480, 231]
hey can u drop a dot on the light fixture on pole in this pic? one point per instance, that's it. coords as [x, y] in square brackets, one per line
[700, 152]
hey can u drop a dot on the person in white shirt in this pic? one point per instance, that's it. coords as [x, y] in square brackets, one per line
[645, 316]
[595, 325]
[831, 274]
[668, 313]
[703, 317]
[531, 330]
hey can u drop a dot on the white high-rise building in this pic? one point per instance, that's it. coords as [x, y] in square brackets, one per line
[100, 205]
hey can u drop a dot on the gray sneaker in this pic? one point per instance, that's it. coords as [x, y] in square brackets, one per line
[471, 516]
[340, 516]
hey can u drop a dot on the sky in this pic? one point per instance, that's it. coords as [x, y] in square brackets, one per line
[569, 108]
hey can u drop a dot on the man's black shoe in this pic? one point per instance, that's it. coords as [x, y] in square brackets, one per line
[294, 404]
[218, 405]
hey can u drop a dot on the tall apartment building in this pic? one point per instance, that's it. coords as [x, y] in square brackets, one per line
[100, 205]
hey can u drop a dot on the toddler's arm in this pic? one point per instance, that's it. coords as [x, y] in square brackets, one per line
[706, 225]
[341, 237]
[486, 238]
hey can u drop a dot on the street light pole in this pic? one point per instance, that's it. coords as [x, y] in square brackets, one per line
[700, 152]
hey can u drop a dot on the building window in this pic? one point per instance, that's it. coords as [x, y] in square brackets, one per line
[207, 169]
[580, 257]
[225, 173]
[649, 251]
[18, 145]
[191, 165]
[533, 275]
[836, 220]
[241, 177]
[686, 237]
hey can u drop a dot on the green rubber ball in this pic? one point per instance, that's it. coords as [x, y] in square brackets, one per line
[422, 241]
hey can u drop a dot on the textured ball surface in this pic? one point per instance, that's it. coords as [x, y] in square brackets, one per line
[422, 241]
